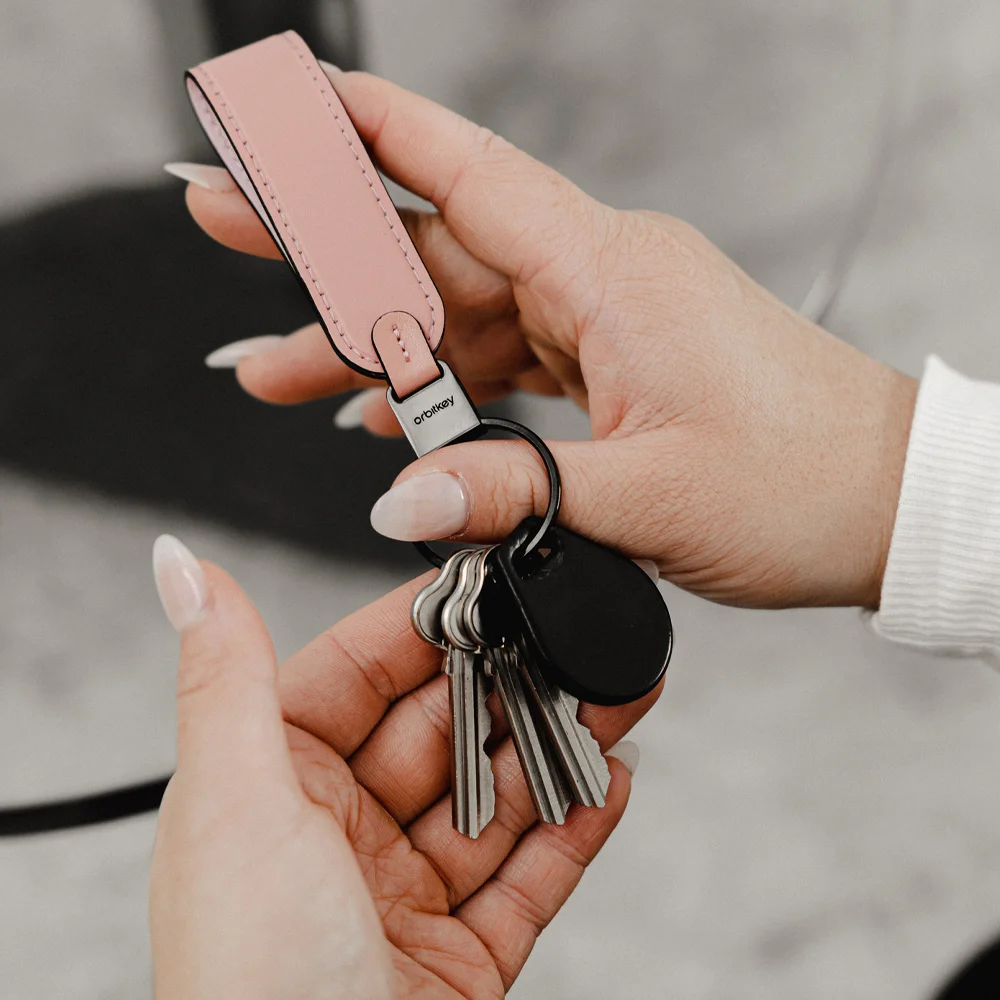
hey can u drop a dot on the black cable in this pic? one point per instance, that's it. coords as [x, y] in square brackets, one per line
[86, 810]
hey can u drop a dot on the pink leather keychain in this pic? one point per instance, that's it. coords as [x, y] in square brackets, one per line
[277, 123]
[284, 135]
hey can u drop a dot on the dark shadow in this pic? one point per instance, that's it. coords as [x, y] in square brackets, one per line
[110, 303]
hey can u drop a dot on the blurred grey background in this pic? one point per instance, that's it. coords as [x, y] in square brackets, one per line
[816, 814]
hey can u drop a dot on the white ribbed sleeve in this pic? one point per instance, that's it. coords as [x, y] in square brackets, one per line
[942, 581]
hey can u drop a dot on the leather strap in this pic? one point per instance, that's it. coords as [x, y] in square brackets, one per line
[276, 121]
[402, 349]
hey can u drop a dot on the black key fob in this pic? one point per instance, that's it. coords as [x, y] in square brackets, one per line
[594, 620]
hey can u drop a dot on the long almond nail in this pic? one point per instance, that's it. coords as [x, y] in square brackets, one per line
[216, 179]
[433, 505]
[232, 354]
[628, 753]
[180, 582]
[351, 414]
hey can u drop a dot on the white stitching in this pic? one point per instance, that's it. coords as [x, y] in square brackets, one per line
[399, 340]
[292, 40]
[284, 220]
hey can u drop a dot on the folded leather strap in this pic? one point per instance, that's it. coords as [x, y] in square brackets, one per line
[275, 119]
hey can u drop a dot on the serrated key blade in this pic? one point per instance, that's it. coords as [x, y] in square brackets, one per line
[580, 754]
[543, 772]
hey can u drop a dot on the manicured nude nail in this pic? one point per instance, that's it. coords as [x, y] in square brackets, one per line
[433, 505]
[649, 568]
[628, 753]
[351, 414]
[180, 582]
[330, 69]
[216, 179]
[232, 354]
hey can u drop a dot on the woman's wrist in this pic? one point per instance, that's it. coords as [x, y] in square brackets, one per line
[900, 401]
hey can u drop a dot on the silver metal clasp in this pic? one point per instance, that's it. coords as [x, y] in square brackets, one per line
[438, 414]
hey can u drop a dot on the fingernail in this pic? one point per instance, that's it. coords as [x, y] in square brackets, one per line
[649, 568]
[330, 69]
[232, 354]
[433, 505]
[216, 179]
[628, 753]
[180, 582]
[351, 414]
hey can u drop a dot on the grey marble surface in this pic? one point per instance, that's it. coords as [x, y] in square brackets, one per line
[816, 813]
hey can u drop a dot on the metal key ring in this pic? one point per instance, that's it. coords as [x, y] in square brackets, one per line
[551, 470]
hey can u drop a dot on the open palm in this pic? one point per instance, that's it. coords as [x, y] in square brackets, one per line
[313, 855]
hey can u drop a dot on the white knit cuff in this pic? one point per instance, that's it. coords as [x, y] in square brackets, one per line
[942, 581]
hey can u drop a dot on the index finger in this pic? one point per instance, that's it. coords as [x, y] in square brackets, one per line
[491, 194]
[340, 685]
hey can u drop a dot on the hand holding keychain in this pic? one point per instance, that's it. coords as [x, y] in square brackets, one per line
[548, 615]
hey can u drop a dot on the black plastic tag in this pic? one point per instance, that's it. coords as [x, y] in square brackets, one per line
[594, 620]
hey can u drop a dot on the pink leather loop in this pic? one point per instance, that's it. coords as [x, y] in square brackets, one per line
[404, 353]
[281, 130]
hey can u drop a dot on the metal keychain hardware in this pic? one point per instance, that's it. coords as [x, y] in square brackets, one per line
[551, 471]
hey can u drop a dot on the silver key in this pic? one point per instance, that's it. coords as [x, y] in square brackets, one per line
[583, 774]
[543, 773]
[453, 610]
[542, 769]
[581, 757]
[425, 612]
[473, 796]
[559, 756]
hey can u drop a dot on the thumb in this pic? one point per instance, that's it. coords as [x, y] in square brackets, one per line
[228, 712]
[482, 491]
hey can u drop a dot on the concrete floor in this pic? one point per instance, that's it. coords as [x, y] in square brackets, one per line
[816, 814]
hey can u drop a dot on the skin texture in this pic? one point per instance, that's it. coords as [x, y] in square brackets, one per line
[305, 846]
[753, 456]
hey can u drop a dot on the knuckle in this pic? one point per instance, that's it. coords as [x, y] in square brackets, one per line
[524, 907]
[489, 143]
[517, 488]
[514, 811]
[369, 668]
[650, 244]
[572, 241]
[575, 848]
[200, 675]
[431, 701]
[530, 482]
[487, 160]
